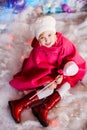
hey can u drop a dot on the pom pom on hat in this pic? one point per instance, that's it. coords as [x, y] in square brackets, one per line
[44, 23]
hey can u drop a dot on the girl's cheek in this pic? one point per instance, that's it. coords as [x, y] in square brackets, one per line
[41, 42]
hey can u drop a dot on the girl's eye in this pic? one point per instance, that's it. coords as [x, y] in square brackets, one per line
[41, 38]
[49, 35]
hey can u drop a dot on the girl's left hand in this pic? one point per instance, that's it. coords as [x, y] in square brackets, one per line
[59, 79]
[53, 85]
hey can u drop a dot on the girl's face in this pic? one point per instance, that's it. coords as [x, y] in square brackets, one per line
[47, 38]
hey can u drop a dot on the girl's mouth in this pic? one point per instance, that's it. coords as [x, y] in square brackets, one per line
[47, 44]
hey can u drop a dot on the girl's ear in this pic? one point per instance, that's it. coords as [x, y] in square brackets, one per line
[35, 42]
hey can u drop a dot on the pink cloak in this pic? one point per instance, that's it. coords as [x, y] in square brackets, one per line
[44, 64]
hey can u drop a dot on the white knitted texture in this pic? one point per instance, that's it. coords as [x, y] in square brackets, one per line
[45, 23]
[70, 69]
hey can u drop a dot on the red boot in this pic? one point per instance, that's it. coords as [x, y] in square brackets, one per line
[17, 106]
[41, 110]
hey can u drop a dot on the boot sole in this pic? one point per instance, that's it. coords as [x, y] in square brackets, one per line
[12, 112]
[43, 123]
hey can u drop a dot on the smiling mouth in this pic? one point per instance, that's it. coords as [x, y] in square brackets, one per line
[47, 44]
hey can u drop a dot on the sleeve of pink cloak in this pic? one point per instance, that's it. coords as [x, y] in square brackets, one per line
[70, 53]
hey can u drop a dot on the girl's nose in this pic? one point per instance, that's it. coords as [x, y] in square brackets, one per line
[46, 39]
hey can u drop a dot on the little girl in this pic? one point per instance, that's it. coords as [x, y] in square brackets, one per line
[53, 59]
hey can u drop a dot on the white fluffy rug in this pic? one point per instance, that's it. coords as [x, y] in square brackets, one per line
[71, 112]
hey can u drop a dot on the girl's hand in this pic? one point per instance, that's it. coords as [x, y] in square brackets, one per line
[59, 79]
[53, 85]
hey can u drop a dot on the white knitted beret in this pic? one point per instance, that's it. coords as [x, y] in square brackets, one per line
[44, 23]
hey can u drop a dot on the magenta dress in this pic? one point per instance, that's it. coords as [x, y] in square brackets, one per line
[44, 64]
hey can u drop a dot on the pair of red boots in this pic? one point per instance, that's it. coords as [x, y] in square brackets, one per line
[40, 110]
